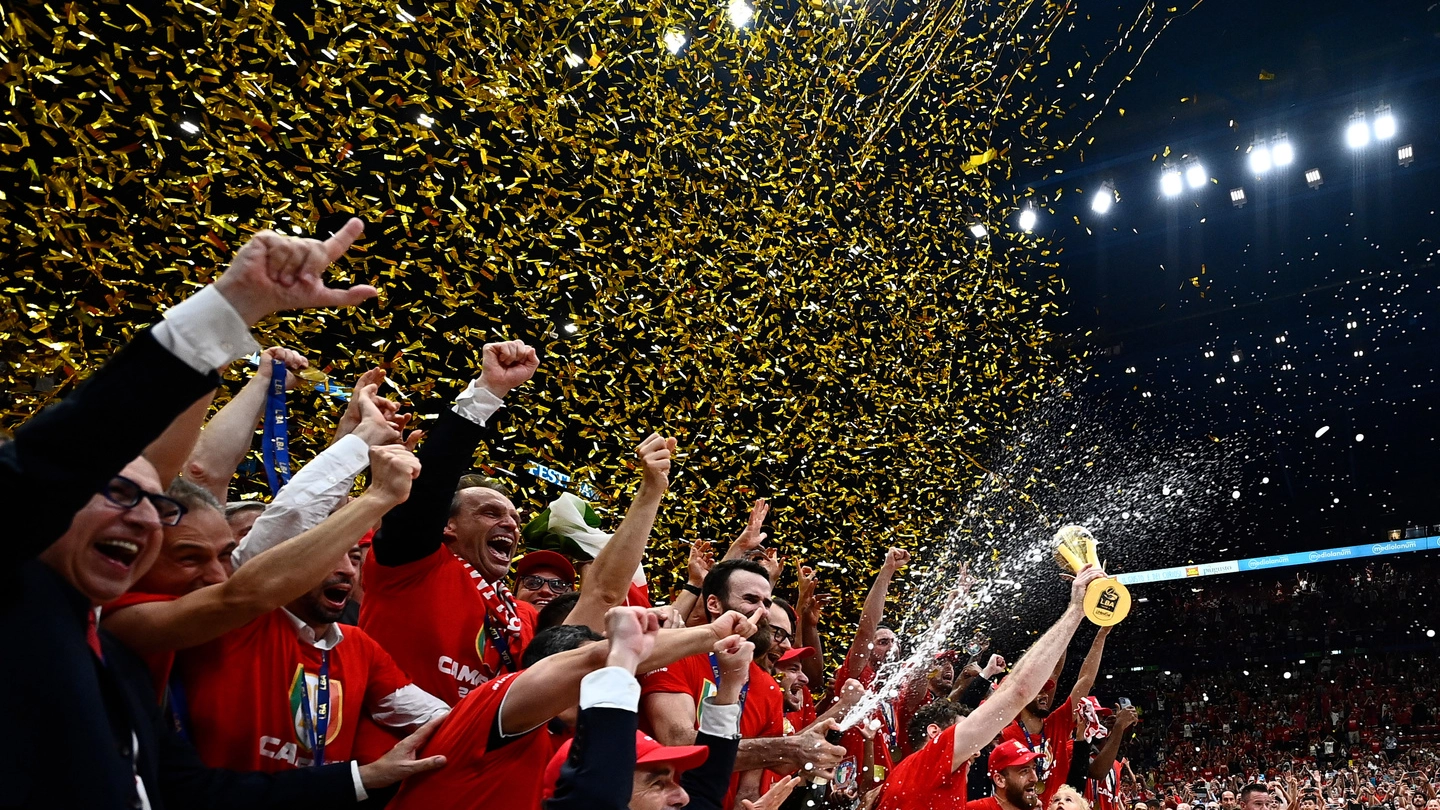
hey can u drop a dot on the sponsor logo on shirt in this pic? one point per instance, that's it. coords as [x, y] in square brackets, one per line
[463, 673]
[311, 689]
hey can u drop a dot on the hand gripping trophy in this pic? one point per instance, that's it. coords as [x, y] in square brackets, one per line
[1106, 600]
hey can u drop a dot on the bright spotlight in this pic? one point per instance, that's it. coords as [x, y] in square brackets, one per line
[1104, 198]
[1028, 218]
[675, 39]
[573, 59]
[978, 230]
[1357, 134]
[1281, 152]
[1313, 178]
[1405, 154]
[1195, 175]
[1260, 161]
[1171, 183]
[740, 13]
[1237, 197]
[1384, 123]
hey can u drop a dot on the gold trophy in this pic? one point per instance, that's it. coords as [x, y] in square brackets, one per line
[1106, 600]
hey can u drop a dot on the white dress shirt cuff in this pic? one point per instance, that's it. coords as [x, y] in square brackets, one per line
[720, 719]
[610, 688]
[360, 794]
[477, 404]
[205, 332]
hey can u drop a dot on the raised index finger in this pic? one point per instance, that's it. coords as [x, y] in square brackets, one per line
[341, 241]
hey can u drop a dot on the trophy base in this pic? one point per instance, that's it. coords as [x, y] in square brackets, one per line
[1107, 602]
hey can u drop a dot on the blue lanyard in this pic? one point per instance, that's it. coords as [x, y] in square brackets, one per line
[715, 670]
[318, 727]
[1039, 771]
[275, 444]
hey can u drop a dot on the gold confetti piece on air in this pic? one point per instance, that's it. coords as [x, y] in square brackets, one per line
[757, 239]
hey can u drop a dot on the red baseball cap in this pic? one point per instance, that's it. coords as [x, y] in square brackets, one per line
[545, 559]
[1010, 754]
[796, 654]
[647, 752]
[367, 540]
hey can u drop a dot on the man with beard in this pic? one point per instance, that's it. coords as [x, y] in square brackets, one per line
[790, 671]
[1012, 770]
[288, 690]
[671, 695]
[1047, 729]
[1227, 800]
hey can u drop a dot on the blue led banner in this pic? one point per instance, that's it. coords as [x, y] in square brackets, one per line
[1281, 560]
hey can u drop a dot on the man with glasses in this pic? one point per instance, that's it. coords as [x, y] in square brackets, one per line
[89, 733]
[540, 576]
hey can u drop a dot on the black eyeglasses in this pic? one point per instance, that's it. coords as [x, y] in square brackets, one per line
[127, 494]
[779, 636]
[535, 583]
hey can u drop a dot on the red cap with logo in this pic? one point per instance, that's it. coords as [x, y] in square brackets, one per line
[545, 559]
[1010, 754]
[647, 752]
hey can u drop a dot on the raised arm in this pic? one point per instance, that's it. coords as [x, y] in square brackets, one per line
[1100, 766]
[274, 578]
[700, 563]
[227, 437]
[1090, 668]
[416, 529]
[753, 535]
[65, 454]
[608, 581]
[873, 611]
[808, 607]
[1025, 681]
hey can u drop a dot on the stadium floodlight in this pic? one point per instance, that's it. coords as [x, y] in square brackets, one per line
[740, 13]
[1260, 160]
[977, 229]
[1357, 134]
[1237, 197]
[675, 40]
[1313, 178]
[1195, 175]
[1104, 198]
[1171, 183]
[1384, 123]
[1405, 154]
[1028, 218]
[1281, 152]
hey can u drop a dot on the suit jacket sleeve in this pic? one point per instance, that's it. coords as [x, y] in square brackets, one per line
[1080, 752]
[413, 530]
[186, 782]
[62, 456]
[599, 773]
[975, 692]
[708, 783]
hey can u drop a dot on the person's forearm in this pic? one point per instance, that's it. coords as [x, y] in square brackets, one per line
[168, 453]
[308, 499]
[1020, 687]
[414, 530]
[1090, 668]
[226, 439]
[775, 753]
[1104, 760]
[673, 644]
[870, 616]
[685, 603]
[288, 570]
[608, 581]
[973, 693]
[813, 666]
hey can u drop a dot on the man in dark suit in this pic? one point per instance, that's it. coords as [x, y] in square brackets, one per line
[610, 765]
[83, 524]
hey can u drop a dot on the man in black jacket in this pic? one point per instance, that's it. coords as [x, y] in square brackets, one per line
[610, 765]
[83, 523]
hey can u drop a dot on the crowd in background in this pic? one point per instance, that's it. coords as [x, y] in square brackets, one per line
[421, 643]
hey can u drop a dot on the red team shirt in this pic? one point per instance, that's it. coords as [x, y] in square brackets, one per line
[1104, 794]
[476, 775]
[1053, 745]
[852, 739]
[764, 712]
[428, 615]
[247, 717]
[924, 781]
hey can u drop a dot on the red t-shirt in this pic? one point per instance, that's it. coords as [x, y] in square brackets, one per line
[1053, 745]
[158, 663]
[852, 739]
[475, 774]
[924, 780]
[987, 803]
[243, 693]
[1104, 794]
[904, 713]
[762, 716]
[638, 596]
[429, 616]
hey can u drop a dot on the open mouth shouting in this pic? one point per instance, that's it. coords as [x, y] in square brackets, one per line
[119, 553]
[334, 595]
[499, 546]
